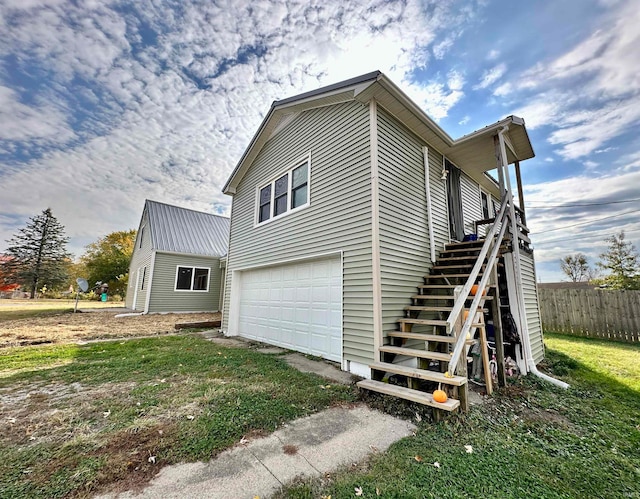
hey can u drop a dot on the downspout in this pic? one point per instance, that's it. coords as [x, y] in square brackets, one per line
[427, 187]
[531, 365]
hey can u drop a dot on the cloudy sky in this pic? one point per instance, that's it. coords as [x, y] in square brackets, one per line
[104, 103]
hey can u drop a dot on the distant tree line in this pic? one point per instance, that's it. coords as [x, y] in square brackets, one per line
[620, 264]
[37, 259]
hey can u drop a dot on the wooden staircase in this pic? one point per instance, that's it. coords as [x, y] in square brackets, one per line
[425, 334]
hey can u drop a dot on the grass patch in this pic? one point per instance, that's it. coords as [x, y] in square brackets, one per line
[26, 309]
[87, 418]
[530, 440]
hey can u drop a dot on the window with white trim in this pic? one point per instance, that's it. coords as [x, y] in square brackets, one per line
[192, 278]
[285, 194]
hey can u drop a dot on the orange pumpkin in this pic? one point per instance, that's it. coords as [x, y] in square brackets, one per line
[466, 314]
[440, 396]
[474, 290]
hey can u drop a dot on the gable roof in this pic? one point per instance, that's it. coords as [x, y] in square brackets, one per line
[473, 153]
[181, 230]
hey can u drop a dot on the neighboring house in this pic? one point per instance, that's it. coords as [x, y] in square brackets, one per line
[178, 260]
[345, 202]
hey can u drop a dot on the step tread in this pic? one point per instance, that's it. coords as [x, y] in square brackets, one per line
[408, 394]
[448, 276]
[424, 322]
[422, 336]
[418, 308]
[413, 352]
[413, 372]
[445, 297]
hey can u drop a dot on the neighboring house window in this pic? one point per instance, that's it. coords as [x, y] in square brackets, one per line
[286, 193]
[144, 274]
[192, 279]
[141, 236]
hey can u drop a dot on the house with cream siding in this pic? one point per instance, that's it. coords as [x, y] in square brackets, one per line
[178, 262]
[359, 229]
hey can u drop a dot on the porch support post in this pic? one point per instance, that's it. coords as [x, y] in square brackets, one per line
[499, 165]
[520, 192]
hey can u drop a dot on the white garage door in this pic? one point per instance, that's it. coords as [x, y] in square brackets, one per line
[296, 306]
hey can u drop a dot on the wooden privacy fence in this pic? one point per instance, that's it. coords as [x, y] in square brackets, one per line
[598, 313]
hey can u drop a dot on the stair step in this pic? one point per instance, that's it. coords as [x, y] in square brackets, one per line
[449, 276]
[439, 286]
[467, 244]
[423, 322]
[418, 308]
[457, 258]
[445, 297]
[453, 251]
[422, 336]
[412, 372]
[455, 267]
[412, 352]
[408, 394]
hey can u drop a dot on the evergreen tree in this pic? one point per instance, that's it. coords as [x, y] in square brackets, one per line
[623, 263]
[38, 253]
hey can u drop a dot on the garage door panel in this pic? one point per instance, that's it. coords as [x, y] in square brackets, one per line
[296, 306]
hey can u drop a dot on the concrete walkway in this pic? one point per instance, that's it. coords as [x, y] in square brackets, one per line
[306, 447]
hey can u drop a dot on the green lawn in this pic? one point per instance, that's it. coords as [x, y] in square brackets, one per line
[23, 309]
[531, 440]
[78, 419]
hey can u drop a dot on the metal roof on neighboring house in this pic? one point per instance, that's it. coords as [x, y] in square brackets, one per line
[181, 230]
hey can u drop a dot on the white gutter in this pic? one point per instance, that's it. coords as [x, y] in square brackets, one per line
[531, 365]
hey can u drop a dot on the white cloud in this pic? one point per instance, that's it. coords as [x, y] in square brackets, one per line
[464, 120]
[590, 94]
[493, 55]
[490, 76]
[168, 120]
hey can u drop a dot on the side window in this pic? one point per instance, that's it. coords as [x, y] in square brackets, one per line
[144, 275]
[192, 278]
[285, 194]
[485, 205]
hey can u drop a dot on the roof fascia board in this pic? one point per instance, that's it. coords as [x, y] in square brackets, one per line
[196, 255]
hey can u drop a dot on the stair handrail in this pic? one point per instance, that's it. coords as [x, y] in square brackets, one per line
[500, 221]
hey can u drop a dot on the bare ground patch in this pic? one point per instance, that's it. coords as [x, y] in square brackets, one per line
[89, 326]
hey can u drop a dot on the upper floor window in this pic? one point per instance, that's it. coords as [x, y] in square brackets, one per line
[286, 193]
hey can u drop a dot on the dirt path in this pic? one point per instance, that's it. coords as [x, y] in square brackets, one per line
[68, 327]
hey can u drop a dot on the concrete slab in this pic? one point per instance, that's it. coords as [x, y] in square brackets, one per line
[320, 367]
[310, 446]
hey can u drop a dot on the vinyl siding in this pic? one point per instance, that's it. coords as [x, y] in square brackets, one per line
[141, 258]
[531, 304]
[164, 298]
[404, 230]
[338, 218]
